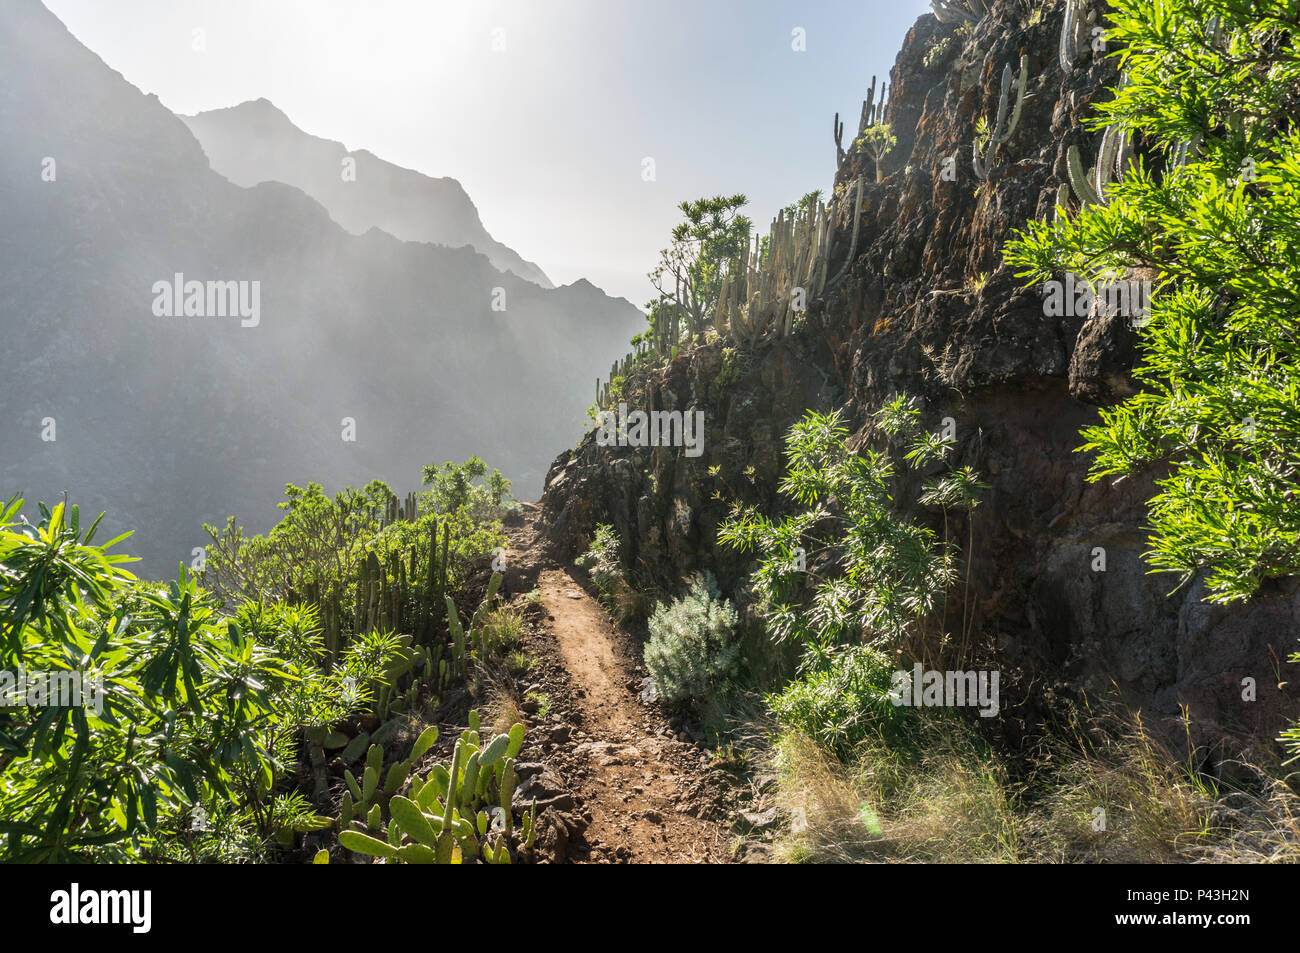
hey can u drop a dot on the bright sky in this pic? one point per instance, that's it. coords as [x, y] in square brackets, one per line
[548, 131]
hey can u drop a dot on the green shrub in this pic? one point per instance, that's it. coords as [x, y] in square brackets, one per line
[693, 654]
[196, 713]
[843, 701]
[503, 630]
[847, 564]
[602, 560]
[1210, 214]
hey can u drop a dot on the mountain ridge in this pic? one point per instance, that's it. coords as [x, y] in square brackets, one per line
[257, 141]
[167, 423]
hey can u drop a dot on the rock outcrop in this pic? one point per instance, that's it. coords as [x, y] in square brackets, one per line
[927, 308]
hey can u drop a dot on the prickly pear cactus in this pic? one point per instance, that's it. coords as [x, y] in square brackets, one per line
[444, 816]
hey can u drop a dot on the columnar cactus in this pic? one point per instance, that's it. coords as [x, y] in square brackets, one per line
[1113, 159]
[873, 113]
[1074, 33]
[767, 286]
[853, 244]
[1002, 129]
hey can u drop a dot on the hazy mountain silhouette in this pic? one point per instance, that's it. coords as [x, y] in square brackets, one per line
[168, 422]
[256, 142]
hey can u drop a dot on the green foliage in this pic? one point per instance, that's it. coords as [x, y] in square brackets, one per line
[603, 561]
[692, 653]
[843, 701]
[453, 487]
[322, 694]
[364, 574]
[197, 711]
[729, 371]
[501, 631]
[689, 275]
[846, 567]
[491, 630]
[461, 811]
[543, 702]
[1211, 85]
[937, 52]
[804, 205]
[319, 542]
[877, 141]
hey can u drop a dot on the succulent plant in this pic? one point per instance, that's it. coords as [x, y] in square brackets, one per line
[758, 300]
[1113, 159]
[1075, 29]
[1005, 126]
[445, 813]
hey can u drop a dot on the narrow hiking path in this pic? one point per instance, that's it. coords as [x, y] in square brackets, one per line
[626, 787]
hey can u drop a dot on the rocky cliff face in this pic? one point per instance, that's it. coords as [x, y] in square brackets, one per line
[928, 309]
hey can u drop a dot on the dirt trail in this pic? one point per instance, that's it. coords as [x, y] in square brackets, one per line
[641, 794]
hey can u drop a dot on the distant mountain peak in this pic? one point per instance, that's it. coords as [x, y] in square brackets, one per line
[255, 141]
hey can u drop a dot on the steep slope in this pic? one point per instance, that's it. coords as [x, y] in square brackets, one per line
[928, 309]
[168, 422]
[256, 142]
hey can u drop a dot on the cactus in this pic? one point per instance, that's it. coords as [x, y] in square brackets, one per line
[365, 844]
[469, 785]
[478, 630]
[353, 788]
[507, 794]
[496, 749]
[424, 828]
[397, 776]
[446, 811]
[1075, 28]
[516, 741]
[424, 743]
[1113, 159]
[457, 633]
[528, 827]
[873, 113]
[1062, 205]
[853, 245]
[1002, 129]
[757, 299]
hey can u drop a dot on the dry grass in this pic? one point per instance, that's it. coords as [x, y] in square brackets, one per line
[503, 712]
[1121, 796]
[628, 605]
[945, 803]
[1118, 797]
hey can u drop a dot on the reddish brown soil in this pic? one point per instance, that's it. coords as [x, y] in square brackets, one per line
[619, 785]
